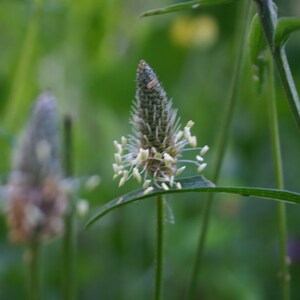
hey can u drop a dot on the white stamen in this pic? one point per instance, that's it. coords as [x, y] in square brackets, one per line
[144, 154]
[153, 149]
[146, 183]
[124, 141]
[187, 133]
[122, 181]
[171, 180]
[137, 159]
[201, 167]
[193, 141]
[117, 168]
[199, 158]
[118, 147]
[164, 186]
[168, 159]
[118, 158]
[204, 150]
[137, 175]
[180, 170]
[125, 174]
[190, 124]
[178, 186]
[148, 190]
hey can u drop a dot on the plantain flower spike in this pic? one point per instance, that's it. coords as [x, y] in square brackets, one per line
[153, 153]
[36, 201]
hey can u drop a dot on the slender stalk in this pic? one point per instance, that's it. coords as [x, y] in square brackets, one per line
[159, 259]
[268, 17]
[69, 237]
[34, 285]
[19, 83]
[281, 209]
[222, 140]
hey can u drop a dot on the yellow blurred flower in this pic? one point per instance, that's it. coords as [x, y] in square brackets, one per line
[201, 31]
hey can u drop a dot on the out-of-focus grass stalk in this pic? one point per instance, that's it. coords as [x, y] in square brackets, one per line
[281, 209]
[69, 243]
[159, 259]
[34, 266]
[243, 25]
[19, 81]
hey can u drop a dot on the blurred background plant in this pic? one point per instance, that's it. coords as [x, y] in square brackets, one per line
[86, 53]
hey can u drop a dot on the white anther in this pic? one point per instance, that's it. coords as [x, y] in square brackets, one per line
[201, 167]
[125, 174]
[153, 149]
[137, 159]
[117, 168]
[204, 150]
[164, 186]
[171, 180]
[193, 141]
[136, 174]
[118, 158]
[144, 154]
[190, 124]
[187, 132]
[168, 159]
[118, 147]
[122, 181]
[123, 141]
[148, 190]
[146, 183]
[178, 186]
[199, 158]
[180, 170]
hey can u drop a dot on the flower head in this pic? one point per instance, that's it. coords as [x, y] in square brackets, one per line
[36, 202]
[154, 150]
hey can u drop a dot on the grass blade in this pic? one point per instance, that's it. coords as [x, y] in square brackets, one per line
[196, 184]
[182, 6]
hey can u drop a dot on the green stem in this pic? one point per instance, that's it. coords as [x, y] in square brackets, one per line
[69, 243]
[281, 209]
[268, 17]
[222, 140]
[34, 287]
[159, 259]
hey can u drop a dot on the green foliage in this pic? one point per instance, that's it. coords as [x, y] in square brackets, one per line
[284, 28]
[183, 6]
[196, 184]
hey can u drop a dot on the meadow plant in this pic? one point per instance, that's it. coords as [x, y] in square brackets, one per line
[153, 152]
[36, 200]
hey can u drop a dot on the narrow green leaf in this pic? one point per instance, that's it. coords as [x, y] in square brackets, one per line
[284, 28]
[183, 6]
[197, 184]
[257, 48]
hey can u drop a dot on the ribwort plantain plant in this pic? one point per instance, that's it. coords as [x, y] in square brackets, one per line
[35, 197]
[151, 154]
